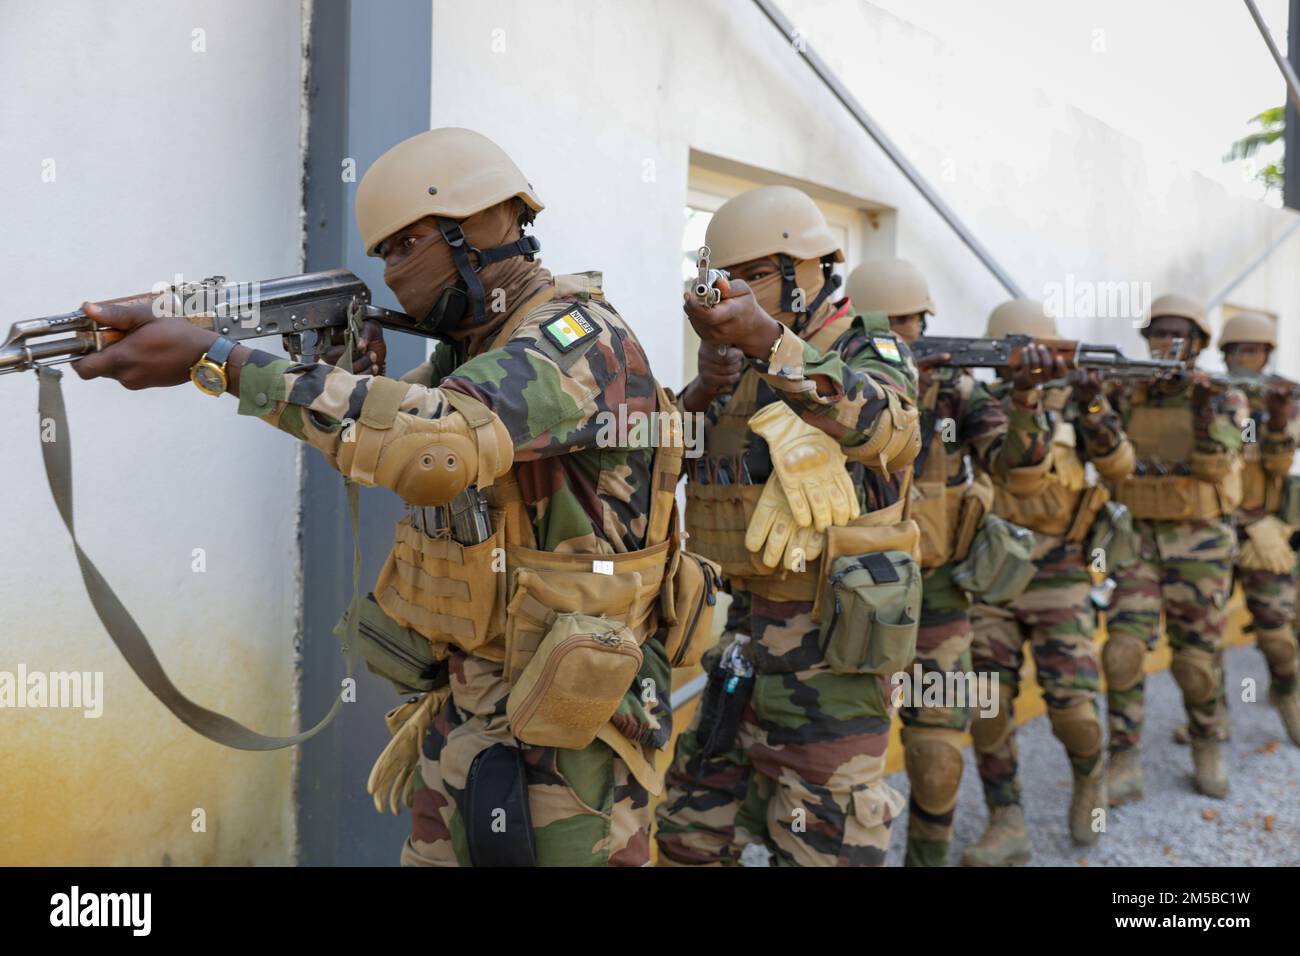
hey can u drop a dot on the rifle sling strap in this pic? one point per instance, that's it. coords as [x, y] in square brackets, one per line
[122, 628]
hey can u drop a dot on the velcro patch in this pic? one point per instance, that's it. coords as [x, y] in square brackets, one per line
[886, 347]
[570, 329]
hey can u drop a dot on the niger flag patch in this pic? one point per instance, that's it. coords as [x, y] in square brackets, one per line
[570, 329]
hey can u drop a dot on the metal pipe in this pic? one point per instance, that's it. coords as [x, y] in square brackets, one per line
[1255, 263]
[1288, 73]
[891, 149]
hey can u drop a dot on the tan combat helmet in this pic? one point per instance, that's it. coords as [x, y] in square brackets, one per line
[1021, 317]
[778, 221]
[893, 286]
[769, 221]
[450, 173]
[1181, 307]
[1248, 328]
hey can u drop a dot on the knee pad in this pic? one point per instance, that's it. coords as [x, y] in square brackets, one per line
[1196, 673]
[991, 733]
[1122, 659]
[1078, 728]
[934, 763]
[1278, 647]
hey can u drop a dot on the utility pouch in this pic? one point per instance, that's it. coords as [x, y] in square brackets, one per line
[1091, 502]
[446, 590]
[391, 651]
[976, 502]
[540, 595]
[689, 596]
[935, 510]
[999, 566]
[1288, 511]
[722, 707]
[496, 785]
[857, 539]
[1114, 536]
[574, 683]
[875, 602]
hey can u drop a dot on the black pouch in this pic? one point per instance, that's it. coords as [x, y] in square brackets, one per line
[498, 826]
[396, 653]
[726, 695]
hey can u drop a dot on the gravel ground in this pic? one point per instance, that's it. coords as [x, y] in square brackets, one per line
[1169, 827]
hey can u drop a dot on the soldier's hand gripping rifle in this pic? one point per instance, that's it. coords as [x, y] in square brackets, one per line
[310, 312]
[1005, 353]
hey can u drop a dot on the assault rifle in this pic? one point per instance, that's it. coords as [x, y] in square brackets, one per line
[706, 280]
[311, 312]
[1006, 352]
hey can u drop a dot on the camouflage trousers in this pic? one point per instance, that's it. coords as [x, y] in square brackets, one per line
[1056, 617]
[805, 775]
[1186, 568]
[1271, 601]
[585, 806]
[933, 735]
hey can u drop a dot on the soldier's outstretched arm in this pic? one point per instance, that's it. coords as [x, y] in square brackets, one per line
[1101, 432]
[1011, 446]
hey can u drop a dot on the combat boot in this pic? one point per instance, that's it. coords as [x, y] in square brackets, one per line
[1089, 795]
[1288, 707]
[1005, 841]
[1208, 775]
[1124, 777]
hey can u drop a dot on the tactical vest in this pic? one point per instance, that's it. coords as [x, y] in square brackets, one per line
[1164, 436]
[1067, 505]
[498, 599]
[719, 512]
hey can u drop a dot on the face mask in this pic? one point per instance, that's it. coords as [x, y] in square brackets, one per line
[808, 277]
[420, 278]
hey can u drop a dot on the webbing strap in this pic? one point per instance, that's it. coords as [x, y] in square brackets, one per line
[122, 628]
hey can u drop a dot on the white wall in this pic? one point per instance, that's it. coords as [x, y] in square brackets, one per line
[600, 104]
[166, 160]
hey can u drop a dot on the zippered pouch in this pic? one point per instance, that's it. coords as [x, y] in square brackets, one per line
[574, 683]
[396, 653]
[690, 594]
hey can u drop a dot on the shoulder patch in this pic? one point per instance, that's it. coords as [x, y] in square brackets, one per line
[570, 328]
[886, 346]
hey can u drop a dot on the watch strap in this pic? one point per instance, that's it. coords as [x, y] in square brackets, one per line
[220, 350]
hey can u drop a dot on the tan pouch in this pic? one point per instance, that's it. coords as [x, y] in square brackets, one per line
[574, 683]
[689, 596]
[975, 502]
[1267, 547]
[934, 513]
[445, 590]
[856, 539]
[1091, 501]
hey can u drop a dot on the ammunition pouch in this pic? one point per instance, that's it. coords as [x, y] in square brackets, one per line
[494, 807]
[1055, 510]
[1173, 498]
[1288, 509]
[875, 609]
[999, 566]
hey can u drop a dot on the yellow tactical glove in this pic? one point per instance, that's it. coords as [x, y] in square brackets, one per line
[775, 536]
[810, 467]
[392, 779]
[1267, 546]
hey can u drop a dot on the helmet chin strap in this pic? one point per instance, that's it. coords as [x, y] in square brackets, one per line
[449, 310]
[789, 284]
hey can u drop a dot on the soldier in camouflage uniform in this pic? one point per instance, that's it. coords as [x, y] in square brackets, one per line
[803, 775]
[1054, 612]
[513, 404]
[1266, 564]
[962, 423]
[1187, 435]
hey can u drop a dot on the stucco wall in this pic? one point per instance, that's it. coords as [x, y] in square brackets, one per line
[165, 160]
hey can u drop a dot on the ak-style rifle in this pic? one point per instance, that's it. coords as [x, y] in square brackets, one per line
[1005, 353]
[311, 312]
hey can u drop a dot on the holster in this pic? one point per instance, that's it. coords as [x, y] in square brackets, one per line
[498, 825]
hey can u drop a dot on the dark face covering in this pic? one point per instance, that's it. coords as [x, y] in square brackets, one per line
[421, 278]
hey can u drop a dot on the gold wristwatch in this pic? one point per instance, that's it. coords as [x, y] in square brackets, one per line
[209, 372]
[771, 355]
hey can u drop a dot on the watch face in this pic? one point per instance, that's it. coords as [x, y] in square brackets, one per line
[208, 377]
